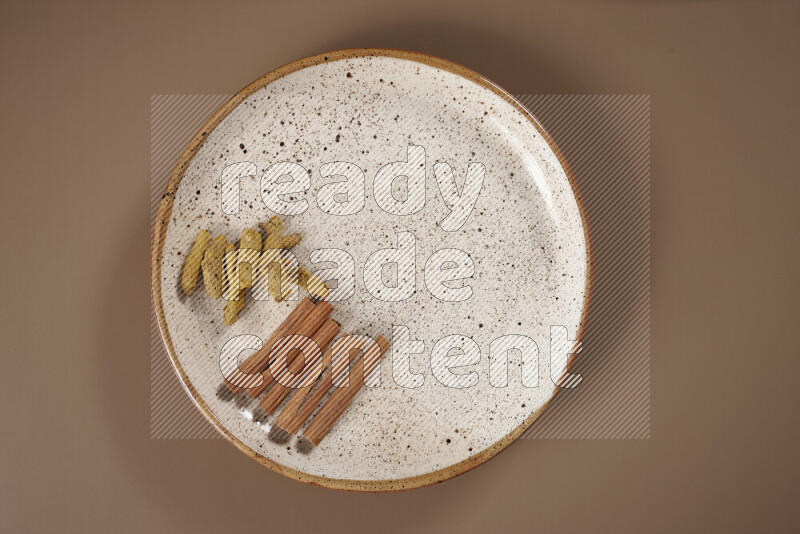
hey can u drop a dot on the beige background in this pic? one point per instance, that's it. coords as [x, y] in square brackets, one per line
[724, 78]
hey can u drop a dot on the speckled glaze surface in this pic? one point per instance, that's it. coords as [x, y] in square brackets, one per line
[526, 236]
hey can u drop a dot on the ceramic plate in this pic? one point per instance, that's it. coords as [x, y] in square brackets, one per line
[525, 238]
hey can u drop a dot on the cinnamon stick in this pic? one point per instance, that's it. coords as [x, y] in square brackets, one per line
[295, 372]
[307, 327]
[259, 361]
[296, 412]
[341, 398]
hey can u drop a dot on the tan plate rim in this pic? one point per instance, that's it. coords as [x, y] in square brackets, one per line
[162, 222]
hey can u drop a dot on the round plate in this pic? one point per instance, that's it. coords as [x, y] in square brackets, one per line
[526, 237]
